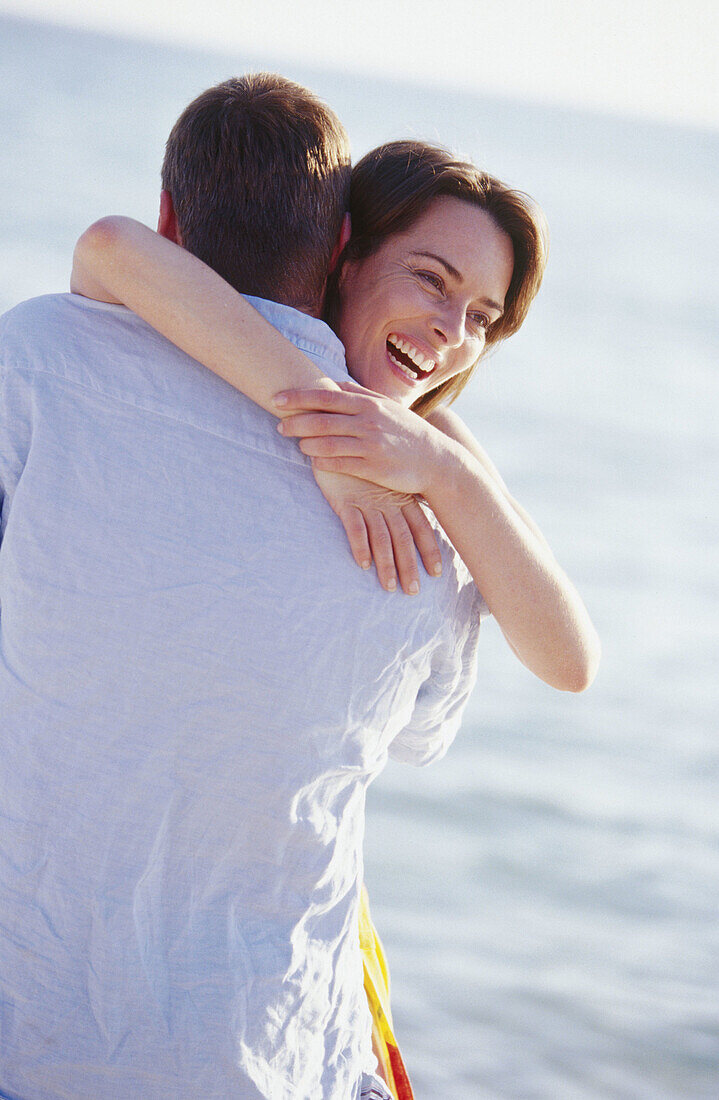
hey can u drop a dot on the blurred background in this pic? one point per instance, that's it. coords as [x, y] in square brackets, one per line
[548, 893]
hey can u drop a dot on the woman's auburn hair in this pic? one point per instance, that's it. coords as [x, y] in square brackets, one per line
[393, 185]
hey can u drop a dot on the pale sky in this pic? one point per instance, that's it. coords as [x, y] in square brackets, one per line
[654, 58]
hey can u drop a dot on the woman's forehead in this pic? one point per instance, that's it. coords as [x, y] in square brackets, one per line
[452, 219]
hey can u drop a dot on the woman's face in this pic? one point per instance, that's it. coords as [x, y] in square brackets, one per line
[415, 313]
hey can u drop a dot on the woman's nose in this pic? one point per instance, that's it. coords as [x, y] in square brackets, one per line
[449, 325]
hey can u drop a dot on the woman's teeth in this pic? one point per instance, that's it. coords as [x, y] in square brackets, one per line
[405, 370]
[409, 359]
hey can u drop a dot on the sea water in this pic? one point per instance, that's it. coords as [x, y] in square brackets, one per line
[548, 894]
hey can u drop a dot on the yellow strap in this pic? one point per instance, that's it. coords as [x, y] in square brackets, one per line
[377, 988]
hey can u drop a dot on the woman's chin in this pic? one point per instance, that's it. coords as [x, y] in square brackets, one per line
[388, 380]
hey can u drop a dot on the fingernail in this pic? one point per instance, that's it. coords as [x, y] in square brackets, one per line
[391, 585]
[413, 588]
[438, 569]
[279, 399]
[281, 427]
[366, 564]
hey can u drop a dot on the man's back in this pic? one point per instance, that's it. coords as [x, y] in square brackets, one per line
[197, 684]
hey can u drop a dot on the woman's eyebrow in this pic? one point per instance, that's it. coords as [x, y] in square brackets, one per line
[445, 263]
[458, 276]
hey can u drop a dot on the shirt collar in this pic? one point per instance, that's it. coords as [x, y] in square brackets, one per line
[307, 333]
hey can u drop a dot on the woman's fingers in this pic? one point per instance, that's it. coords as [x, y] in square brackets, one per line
[343, 464]
[356, 531]
[335, 401]
[425, 538]
[409, 531]
[331, 446]
[379, 525]
[380, 542]
[393, 550]
[316, 423]
[405, 558]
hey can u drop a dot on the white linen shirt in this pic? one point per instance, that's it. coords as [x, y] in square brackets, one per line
[197, 684]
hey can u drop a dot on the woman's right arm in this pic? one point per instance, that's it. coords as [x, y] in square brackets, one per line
[120, 260]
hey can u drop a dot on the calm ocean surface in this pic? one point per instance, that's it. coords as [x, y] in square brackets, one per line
[549, 893]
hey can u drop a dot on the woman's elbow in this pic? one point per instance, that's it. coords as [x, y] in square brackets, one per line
[100, 237]
[579, 673]
[563, 666]
[96, 252]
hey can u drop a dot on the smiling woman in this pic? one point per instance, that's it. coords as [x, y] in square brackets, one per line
[415, 313]
[402, 211]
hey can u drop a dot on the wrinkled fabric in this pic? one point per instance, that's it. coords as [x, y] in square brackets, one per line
[374, 1088]
[197, 684]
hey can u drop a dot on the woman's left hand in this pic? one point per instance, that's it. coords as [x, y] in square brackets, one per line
[354, 431]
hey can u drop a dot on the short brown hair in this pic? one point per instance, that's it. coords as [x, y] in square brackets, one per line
[258, 169]
[393, 186]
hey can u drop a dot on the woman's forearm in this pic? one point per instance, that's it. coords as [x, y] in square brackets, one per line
[534, 602]
[118, 259]
[373, 437]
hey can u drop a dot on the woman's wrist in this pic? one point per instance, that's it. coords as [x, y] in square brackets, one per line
[443, 468]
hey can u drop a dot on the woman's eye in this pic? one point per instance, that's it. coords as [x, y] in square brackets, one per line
[480, 320]
[432, 279]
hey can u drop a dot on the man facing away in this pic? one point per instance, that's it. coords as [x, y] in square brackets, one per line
[197, 683]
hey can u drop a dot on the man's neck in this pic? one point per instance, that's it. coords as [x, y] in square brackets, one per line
[167, 227]
[311, 310]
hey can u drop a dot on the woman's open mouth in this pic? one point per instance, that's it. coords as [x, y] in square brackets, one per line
[413, 363]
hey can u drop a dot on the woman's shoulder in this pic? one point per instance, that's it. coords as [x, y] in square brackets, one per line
[449, 422]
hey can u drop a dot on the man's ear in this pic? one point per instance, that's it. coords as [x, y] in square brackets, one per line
[344, 235]
[167, 221]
